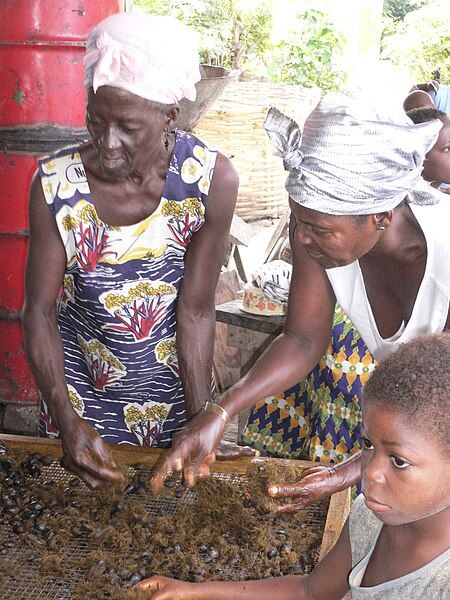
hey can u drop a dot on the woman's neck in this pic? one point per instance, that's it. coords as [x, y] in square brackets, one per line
[402, 241]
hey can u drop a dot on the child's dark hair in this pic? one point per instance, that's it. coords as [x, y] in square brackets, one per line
[422, 115]
[415, 380]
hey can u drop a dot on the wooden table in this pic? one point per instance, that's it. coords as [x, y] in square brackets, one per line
[251, 335]
[126, 455]
[231, 314]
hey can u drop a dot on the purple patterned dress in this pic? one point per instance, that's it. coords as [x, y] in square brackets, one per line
[116, 311]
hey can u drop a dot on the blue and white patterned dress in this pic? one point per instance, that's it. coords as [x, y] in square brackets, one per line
[117, 306]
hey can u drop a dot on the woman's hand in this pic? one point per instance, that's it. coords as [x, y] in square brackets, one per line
[164, 588]
[86, 455]
[229, 451]
[317, 483]
[193, 450]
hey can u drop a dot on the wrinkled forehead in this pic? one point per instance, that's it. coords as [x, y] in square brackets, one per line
[117, 99]
[321, 219]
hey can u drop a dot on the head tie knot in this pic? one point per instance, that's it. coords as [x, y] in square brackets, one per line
[286, 137]
[131, 51]
[110, 55]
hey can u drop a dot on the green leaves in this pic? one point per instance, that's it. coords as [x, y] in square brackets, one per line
[310, 56]
[398, 9]
[229, 36]
[420, 42]
[241, 39]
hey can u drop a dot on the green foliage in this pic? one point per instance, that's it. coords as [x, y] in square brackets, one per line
[421, 42]
[228, 36]
[251, 36]
[240, 39]
[310, 56]
[398, 9]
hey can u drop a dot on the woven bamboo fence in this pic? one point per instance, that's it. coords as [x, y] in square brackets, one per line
[235, 125]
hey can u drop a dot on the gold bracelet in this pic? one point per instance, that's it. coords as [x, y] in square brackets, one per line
[219, 411]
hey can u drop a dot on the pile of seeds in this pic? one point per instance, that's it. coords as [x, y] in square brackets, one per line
[222, 531]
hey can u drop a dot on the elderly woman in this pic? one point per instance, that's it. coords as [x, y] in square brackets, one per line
[129, 230]
[367, 231]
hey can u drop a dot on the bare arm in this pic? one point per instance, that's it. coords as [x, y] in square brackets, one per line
[195, 307]
[289, 359]
[429, 86]
[299, 348]
[317, 483]
[44, 276]
[328, 581]
[84, 453]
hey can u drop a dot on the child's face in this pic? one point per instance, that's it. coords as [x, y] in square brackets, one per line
[405, 475]
[437, 162]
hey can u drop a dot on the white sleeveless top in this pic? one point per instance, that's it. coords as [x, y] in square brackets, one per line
[431, 307]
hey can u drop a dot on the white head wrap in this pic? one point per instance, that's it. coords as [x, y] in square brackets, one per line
[353, 159]
[151, 56]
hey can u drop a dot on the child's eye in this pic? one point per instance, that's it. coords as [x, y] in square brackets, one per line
[399, 463]
[367, 444]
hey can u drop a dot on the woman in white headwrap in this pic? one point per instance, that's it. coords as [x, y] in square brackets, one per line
[367, 231]
[132, 227]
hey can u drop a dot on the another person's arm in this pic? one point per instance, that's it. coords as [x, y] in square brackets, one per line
[84, 452]
[429, 86]
[317, 483]
[195, 307]
[288, 360]
[328, 581]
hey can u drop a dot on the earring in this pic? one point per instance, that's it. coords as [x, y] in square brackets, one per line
[381, 228]
[166, 138]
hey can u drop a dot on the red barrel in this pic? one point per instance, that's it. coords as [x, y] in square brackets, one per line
[41, 20]
[42, 108]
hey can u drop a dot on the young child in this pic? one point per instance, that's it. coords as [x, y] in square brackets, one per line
[396, 542]
[436, 167]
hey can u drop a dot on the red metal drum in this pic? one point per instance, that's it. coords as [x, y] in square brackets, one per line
[16, 171]
[42, 83]
[42, 107]
[41, 20]
[16, 381]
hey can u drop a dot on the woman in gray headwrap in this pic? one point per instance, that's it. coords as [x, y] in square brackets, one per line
[367, 231]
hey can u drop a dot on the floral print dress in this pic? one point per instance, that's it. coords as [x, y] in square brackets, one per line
[116, 310]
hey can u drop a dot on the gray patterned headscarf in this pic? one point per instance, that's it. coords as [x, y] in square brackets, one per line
[353, 159]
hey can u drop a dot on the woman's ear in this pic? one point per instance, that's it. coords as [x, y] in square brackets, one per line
[382, 220]
[172, 117]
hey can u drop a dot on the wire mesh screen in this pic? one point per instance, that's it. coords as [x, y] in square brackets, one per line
[21, 578]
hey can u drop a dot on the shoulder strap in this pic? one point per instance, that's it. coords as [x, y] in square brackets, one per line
[62, 177]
